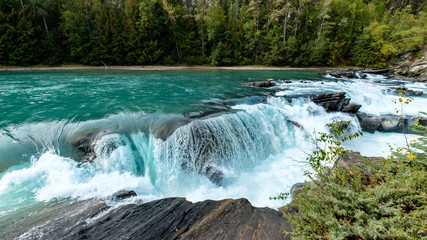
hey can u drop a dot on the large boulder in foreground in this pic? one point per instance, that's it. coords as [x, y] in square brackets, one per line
[169, 218]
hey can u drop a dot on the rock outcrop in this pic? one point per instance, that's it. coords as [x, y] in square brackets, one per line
[410, 67]
[169, 218]
[335, 101]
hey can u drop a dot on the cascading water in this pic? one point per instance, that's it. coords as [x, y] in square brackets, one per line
[231, 147]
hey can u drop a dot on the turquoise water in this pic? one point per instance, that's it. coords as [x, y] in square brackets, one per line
[30, 97]
[197, 134]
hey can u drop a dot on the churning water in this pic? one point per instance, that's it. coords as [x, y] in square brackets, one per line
[195, 134]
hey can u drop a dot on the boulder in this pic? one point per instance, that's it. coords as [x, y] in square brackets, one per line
[123, 194]
[335, 101]
[351, 108]
[369, 123]
[169, 218]
[387, 123]
[406, 91]
[84, 143]
[263, 84]
[347, 73]
[329, 101]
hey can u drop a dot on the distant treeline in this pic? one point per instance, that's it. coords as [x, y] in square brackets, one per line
[218, 32]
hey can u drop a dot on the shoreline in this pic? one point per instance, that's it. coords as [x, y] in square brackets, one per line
[166, 68]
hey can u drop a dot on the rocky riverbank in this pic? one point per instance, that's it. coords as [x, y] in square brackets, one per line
[407, 67]
[169, 218]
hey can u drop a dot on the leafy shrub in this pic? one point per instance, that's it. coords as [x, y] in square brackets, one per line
[347, 203]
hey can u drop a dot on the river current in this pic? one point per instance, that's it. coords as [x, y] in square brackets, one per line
[195, 134]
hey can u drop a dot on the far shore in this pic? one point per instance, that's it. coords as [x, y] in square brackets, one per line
[162, 68]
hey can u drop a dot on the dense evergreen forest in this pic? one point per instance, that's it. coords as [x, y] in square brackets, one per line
[217, 32]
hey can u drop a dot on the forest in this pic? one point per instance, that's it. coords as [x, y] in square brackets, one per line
[368, 33]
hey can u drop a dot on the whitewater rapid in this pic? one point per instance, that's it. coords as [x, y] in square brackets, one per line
[252, 151]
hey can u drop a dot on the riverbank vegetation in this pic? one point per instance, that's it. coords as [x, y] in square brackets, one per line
[225, 32]
[364, 198]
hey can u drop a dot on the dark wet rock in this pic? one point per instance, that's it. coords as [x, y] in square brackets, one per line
[347, 73]
[110, 144]
[351, 108]
[164, 127]
[216, 107]
[405, 91]
[387, 123]
[263, 84]
[335, 101]
[84, 144]
[329, 101]
[371, 123]
[214, 174]
[376, 71]
[169, 218]
[86, 151]
[123, 194]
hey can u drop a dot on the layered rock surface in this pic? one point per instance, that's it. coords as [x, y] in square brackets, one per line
[335, 101]
[411, 67]
[169, 218]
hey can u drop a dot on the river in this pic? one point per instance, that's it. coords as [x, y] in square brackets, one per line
[195, 134]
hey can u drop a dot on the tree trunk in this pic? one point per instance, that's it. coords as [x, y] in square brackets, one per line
[45, 26]
[86, 8]
[203, 33]
[178, 50]
[284, 26]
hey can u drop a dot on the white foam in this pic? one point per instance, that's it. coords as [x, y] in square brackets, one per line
[375, 98]
[53, 176]
[60, 177]
[379, 143]
[375, 76]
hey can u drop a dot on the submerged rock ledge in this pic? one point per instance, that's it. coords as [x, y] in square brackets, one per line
[169, 218]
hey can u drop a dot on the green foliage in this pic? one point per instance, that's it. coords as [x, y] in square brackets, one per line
[18, 38]
[272, 32]
[368, 200]
[221, 55]
[329, 150]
